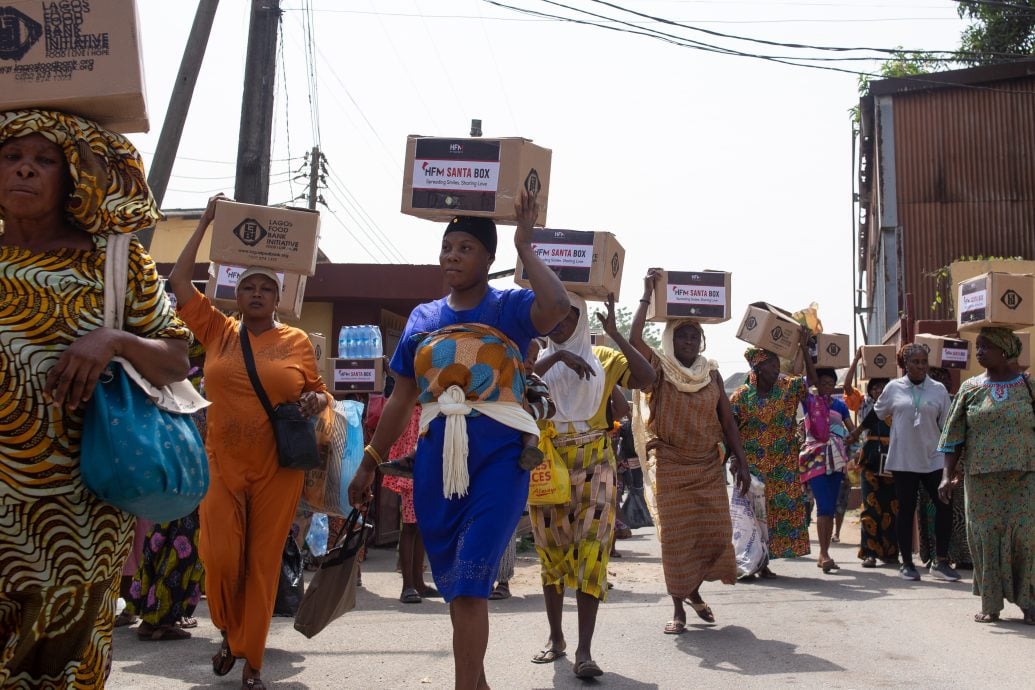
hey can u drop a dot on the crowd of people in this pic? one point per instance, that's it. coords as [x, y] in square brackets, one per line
[470, 414]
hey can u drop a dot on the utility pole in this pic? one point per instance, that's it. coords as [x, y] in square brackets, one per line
[315, 158]
[256, 134]
[179, 105]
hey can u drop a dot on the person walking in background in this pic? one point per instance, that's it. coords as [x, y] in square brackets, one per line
[765, 409]
[916, 407]
[690, 420]
[66, 186]
[878, 538]
[574, 539]
[247, 514]
[468, 493]
[993, 420]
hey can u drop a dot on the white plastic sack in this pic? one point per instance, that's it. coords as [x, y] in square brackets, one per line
[750, 533]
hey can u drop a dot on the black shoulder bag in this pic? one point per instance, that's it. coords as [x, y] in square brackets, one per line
[295, 434]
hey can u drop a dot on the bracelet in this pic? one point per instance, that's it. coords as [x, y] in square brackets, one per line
[373, 453]
[645, 301]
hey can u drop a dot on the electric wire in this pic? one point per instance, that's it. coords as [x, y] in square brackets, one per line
[376, 233]
[369, 246]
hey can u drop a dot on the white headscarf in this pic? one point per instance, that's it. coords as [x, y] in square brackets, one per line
[577, 400]
[686, 379]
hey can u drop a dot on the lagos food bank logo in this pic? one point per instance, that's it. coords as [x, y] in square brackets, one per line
[880, 360]
[532, 182]
[18, 33]
[250, 231]
[1011, 299]
[776, 333]
[616, 265]
[751, 323]
[833, 349]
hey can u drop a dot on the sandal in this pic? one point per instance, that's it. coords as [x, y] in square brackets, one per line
[187, 622]
[410, 596]
[224, 660]
[429, 593]
[587, 669]
[828, 565]
[254, 683]
[703, 611]
[986, 617]
[675, 627]
[1029, 616]
[161, 633]
[548, 655]
[869, 562]
[502, 591]
[766, 573]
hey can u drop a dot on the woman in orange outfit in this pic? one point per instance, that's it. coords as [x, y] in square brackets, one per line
[251, 500]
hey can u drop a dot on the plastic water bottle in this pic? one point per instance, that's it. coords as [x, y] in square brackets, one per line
[377, 348]
[361, 342]
[343, 339]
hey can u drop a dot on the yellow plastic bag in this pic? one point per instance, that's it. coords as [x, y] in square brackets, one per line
[550, 483]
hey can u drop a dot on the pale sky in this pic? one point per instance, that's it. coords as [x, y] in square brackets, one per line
[695, 160]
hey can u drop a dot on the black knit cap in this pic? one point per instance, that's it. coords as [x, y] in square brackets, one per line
[482, 229]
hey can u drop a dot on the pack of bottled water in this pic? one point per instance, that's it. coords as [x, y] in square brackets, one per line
[360, 342]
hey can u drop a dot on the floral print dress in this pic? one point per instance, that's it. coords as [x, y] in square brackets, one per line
[768, 431]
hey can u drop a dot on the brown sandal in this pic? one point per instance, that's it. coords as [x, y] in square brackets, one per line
[224, 660]
[161, 633]
[986, 617]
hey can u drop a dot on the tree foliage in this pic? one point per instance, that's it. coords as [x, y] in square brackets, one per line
[651, 331]
[1000, 31]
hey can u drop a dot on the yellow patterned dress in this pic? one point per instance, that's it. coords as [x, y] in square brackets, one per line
[61, 550]
[573, 540]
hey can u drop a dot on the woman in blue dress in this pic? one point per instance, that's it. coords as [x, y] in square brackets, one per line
[461, 357]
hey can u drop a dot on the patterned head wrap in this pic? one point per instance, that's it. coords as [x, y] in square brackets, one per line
[109, 192]
[757, 356]
[907, 351]
[1004, 339]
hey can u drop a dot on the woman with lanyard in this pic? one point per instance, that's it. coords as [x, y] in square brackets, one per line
[916, 406]
[461, 356]
[574, 539]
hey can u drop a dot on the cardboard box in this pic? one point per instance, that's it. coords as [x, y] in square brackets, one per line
[77, 57]
[221, 290]
[589, 263]
[700, 295]
[995, 299]
[770, 328]
[284, 239]
[320, 350]
[473, 177]
[356, 375]
[948, 353]
[830, 350]
[879, 362]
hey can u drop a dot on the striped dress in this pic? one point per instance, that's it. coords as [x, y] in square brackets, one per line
[683, 437]
[61, 550]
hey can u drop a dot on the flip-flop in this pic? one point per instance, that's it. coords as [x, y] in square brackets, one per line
[703, 611]
[675, 627]
[410, 596]
[587, 669]
[224, 660]
[187, 622]
[253, 684]
[828, 565]
[548, 655]
[430, 593]
[502, 591]
[986, 617]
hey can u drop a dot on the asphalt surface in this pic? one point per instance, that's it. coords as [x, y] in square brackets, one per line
[857, 628]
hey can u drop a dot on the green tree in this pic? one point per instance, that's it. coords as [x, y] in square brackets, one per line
[902, 63]
[651, 331]
[1000, 31]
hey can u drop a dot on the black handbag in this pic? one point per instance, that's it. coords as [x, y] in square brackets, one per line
[294, 432]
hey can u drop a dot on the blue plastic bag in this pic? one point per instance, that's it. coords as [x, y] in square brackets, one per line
[316, 538]
[339, 433]
[138, 457]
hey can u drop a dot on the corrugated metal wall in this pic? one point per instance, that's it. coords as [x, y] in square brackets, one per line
[965, 159]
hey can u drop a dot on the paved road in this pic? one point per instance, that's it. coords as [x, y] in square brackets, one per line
[858, 628]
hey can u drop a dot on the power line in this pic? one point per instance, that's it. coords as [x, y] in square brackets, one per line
[377, 233]
[369, 243]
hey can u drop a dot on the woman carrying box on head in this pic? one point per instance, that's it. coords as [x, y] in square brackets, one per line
[993, 418]
[574, 539]
[461, 356]
[879, 505]
[251, 501]
[690, 417]
[766, 410]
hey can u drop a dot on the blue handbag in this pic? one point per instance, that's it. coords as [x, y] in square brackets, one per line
[140, 451]
[139, 457]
